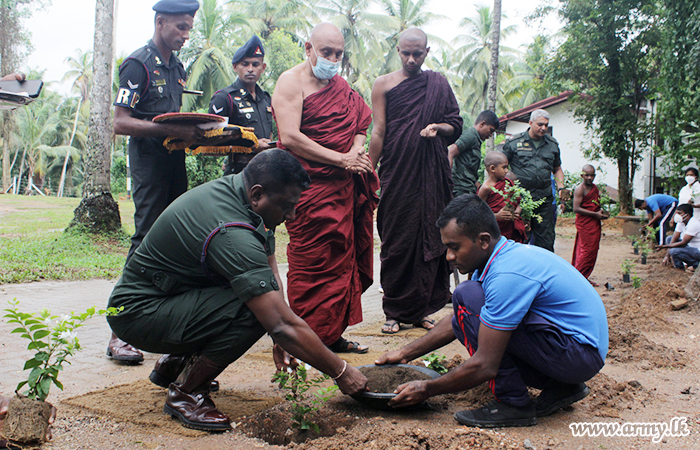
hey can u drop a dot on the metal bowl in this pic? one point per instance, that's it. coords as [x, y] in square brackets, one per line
[380, 400]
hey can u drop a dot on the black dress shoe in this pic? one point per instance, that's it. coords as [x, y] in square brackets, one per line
[195, 410]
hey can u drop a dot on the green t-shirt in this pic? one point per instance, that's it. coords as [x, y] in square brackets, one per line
[465, 166]
[169, 260]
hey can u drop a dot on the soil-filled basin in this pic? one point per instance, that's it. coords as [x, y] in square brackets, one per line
[383, 380]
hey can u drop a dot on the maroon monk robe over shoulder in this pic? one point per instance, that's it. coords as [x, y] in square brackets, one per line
[510, 229]
[588, 231]
[331, 238]
[416, 184]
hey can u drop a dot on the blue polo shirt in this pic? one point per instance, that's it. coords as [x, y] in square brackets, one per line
[659, 201]
[519, 278]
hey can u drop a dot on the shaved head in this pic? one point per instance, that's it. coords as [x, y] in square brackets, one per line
[413, 35]
[326, 33]
[494, 159]
[588, 169]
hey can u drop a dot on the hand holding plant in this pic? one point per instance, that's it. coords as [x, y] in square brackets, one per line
[515, 195]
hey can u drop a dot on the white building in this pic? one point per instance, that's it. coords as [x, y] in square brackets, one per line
[573, 137]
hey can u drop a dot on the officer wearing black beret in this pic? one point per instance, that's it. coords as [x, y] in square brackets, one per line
[151, 82]
[244, 103]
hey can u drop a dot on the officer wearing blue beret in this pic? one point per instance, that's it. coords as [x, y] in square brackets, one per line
[244, 103]
[151, 82]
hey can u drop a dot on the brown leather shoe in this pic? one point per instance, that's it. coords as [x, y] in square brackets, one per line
[119, 350]
[168, 368]
[196, 410]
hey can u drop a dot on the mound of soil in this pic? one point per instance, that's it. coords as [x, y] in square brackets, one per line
[387, 379]
[629, 346]
[275, 426]
[382, 435]
[608, 397]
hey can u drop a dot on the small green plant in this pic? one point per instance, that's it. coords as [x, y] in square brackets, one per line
[296, 383]
[636, 282]
[626, 266]
[53, 338]
[515, 195]
[434, 361]
[605, 201]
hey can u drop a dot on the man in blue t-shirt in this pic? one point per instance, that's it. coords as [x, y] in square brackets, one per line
[660, 209]
[527, 318]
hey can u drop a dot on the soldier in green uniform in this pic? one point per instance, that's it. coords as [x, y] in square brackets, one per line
[204, 283]
[534, 156]
[244, 103]
[465, 154]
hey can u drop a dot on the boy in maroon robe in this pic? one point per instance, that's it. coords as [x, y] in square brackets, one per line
[509, 221]
[588, 225]
[323, 123]
[415, 118]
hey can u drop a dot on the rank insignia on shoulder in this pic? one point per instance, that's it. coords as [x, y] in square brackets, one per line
[217, 110]
[132, 85]
[158, 61]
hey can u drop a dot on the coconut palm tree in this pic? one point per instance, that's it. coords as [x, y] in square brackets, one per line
[475, 54]
[81, 71]
[294, 17]
[208, 55]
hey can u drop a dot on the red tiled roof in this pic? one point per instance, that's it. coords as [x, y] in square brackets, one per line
[523, 114]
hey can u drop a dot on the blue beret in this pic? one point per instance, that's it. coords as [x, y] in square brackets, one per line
[177, 7]
[253, 47]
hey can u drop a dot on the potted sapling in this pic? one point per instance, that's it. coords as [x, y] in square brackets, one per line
[626, 269]
[53, 340]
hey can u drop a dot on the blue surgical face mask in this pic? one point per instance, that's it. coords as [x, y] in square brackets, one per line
[324, 69]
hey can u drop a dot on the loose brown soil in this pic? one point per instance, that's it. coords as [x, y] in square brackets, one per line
[387, 379]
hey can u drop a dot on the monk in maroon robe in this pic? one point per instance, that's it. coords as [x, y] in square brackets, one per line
[323, 123]
[510, 229]
[588, 223]
[416, 117]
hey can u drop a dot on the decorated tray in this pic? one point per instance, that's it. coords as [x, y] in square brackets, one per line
[189, 118]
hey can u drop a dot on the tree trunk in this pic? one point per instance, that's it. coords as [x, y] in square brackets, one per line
[493, 74]
[98, 212]
[59, 193]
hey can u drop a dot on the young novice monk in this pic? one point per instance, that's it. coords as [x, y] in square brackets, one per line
[510, 223]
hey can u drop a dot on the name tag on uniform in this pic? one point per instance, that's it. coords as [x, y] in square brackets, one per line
[160, 82]
[247, 110]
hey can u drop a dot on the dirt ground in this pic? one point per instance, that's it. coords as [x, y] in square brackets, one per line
[650, 376]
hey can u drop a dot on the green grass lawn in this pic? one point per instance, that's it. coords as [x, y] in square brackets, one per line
[34, 245]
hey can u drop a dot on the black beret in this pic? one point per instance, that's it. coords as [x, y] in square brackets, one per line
[177, 7]
[253, 47]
